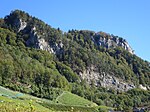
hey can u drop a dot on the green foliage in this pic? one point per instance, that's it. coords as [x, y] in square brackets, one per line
[29, 70]
[7, 37]
[80, 50]
[67, 72]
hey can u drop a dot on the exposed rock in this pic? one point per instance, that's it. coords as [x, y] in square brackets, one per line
[58, 47]
[91, 75]
[108, 41]
[38, 42]
[20, 24]
[111, 81]
[142, 87]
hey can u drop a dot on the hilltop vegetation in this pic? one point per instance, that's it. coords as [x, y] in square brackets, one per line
[27, 68]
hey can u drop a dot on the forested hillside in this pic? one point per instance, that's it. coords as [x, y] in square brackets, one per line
[43, 61]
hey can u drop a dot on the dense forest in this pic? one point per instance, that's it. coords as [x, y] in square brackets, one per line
[27, 68]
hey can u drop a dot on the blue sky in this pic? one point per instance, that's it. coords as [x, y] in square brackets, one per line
[129, 19]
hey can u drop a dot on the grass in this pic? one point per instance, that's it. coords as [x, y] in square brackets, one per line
[69, 102]
[7, 92]
[18, 95]
[69, 108]
[8, 104]
[12, 101]
[68, 98]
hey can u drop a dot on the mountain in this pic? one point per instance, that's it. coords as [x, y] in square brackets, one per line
[36, 58]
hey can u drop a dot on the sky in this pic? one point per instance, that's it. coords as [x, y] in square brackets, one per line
[129, 19]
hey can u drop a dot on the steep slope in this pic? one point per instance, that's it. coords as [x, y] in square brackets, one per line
[93, 62]
[36, 58]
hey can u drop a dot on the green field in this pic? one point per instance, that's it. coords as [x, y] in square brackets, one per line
[7, 92]
[68, 98]
[19, 105]
[12, 101]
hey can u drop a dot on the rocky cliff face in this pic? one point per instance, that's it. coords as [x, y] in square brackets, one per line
[101, 38]
[109, 41]
[38, 41]
[21, 24]
[91, 75]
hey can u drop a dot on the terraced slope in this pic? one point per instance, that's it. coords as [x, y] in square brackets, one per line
[13, 101]
[68, 98]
